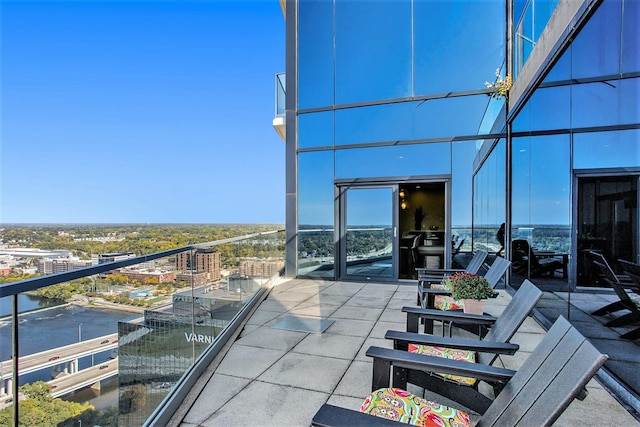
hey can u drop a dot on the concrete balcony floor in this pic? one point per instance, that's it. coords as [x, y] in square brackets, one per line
[277, 377]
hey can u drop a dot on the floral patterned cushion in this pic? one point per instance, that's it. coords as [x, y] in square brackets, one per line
[443, 302]
[447, 353]
[399, 405]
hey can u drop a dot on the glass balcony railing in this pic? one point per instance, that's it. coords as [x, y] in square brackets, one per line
[281, 80]
[530, 25]
[134, 327]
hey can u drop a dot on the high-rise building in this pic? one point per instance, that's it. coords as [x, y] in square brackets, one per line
[392, 134]
[207, 260]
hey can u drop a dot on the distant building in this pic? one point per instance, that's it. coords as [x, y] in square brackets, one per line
[5, 271]
[185, 329]
[197, 278]
[60, 265]
[207, 260]
[36, 253]
[112, 257]
[141, 275]
[260, 267]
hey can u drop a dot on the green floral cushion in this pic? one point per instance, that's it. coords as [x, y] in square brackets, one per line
[447, 353]
[399, 405]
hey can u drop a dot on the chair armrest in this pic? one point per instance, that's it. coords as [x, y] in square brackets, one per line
[334, 416]
[438, 271]
[426, 290]
[422, 362]
[450, 316]
[404, 338]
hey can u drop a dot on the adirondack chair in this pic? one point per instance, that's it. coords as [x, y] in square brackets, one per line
[484, 352]
[429, 276]
[436, 297]
[536, 395]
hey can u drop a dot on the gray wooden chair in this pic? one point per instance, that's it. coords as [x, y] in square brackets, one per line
[484, 351]
[427, 295]
[536, 395]
[428, 276]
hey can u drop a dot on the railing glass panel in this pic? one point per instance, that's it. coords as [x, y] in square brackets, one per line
[121, 335]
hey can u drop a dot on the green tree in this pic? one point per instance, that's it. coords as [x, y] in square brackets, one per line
[40, 409]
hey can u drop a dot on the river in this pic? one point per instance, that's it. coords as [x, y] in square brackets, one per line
[53, 325]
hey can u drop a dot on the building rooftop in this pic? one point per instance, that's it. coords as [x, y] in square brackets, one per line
[274, 374]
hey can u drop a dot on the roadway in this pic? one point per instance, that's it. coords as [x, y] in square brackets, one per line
[57, 356]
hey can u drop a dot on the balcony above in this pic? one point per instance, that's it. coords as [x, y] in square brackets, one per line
[279, 121]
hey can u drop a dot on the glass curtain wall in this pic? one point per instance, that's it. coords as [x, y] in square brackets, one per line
[382, 90]
[489, 201]
[582, 120]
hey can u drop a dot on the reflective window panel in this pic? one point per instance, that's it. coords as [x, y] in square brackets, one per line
[373, 50]
[458, 45]
[315, 54]
[402, 160]
[315, 214]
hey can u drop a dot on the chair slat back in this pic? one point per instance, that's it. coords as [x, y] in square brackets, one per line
[630, 269]
[476, 262]
[497, 270]
[547, 382]
[512, 318]
[613, 281]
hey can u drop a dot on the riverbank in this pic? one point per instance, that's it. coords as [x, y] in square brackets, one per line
[98, 303]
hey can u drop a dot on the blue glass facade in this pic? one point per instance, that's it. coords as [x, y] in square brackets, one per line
[392, 94]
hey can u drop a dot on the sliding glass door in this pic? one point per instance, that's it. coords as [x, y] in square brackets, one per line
[367, 236]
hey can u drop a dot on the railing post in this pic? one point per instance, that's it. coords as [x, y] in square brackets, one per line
[14, 355]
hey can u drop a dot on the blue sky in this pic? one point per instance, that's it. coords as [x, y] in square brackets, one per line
[141, 112]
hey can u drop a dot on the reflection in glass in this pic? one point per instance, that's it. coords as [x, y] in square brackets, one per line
[369, 232]
[607, 223]
[531, 18]
[315, 129]
[462, 154]
[606, 103]
[606, 149]
[458, 46]
[630, 57]
[401, 160]
[315, 54]
[596, 49]
[535, 114]
[489, 201]
[411, 120]
[373, 50]
[315, 214]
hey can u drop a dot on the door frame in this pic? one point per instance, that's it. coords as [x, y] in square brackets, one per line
[340, 187]
[596, 173]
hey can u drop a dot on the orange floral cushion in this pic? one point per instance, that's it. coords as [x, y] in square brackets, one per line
[399, 405]
[447, 353]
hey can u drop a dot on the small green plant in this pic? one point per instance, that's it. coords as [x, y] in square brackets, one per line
[468, 286]
[501, 87]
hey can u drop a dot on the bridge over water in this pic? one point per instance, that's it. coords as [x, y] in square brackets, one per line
[66, 359]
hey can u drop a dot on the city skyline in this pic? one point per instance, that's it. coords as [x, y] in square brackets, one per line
[141, 112]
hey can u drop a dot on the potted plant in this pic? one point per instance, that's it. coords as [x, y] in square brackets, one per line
[471, 289]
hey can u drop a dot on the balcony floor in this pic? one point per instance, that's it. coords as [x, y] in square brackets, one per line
[278, 377]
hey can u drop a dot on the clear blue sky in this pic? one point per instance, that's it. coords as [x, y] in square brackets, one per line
[141, 112]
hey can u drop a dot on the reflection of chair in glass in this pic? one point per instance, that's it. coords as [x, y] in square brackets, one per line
[536, 395]
[526, 262]
[625, 301]
[408, 253]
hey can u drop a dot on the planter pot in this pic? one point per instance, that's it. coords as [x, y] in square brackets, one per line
[473, 306]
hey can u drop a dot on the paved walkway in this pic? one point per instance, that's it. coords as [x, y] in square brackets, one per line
[279, 377]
